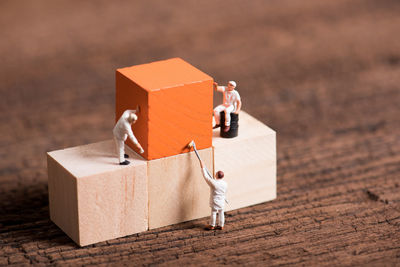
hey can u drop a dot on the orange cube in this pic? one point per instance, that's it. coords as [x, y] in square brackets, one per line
[176, 104]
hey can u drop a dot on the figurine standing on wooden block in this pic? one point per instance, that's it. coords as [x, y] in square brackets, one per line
[121, 132]
[231, 104]
[217, 197]
[217, 193]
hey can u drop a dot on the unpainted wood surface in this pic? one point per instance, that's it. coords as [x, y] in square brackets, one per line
[324, 74]
[248, 162]
[177, 190]
[103, 200]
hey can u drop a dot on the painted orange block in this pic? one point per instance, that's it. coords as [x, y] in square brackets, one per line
[176, 103]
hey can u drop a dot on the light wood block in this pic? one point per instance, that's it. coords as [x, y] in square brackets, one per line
[175, 99]
[177, 190]
[92, 198]
[248, 161]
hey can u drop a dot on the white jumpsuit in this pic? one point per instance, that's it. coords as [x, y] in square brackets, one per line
[229, 105]
[218, 189]
[121, 131]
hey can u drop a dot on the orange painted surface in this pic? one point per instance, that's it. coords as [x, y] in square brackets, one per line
[176, 102]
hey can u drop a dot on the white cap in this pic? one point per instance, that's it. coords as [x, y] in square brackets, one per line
[232, 83]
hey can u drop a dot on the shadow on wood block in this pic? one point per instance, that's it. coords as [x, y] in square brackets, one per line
[92, 198]
[249, 163]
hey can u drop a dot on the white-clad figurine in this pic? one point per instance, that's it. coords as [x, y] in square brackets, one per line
[231, 103]
[121, 132]
[218, 189]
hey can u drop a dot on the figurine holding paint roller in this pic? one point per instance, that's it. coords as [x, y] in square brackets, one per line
[217, 193]
[231, 104]
[122, 130]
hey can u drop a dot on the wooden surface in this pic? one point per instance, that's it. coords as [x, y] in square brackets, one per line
[177, 190]
[92, 198]
[324, 74]
[248, 162]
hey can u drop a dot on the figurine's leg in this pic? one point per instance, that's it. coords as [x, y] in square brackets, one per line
[213, 217]
[228, 112]
[118, 148]
[217, 110]
[221, 218]
[121, 151]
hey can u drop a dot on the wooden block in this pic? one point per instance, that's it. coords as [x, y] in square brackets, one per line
[92, 198]
[176, 102]
[248, 161]
[177, 190]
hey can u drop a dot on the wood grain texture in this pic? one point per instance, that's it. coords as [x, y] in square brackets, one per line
[324, 75]
[63, 198]
[92, 198]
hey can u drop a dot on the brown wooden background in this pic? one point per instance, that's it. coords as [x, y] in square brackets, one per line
[324, 74]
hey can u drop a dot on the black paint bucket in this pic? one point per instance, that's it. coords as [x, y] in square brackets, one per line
[234, 130]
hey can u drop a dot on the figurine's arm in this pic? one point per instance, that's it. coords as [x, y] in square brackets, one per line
[238, 106]
[209, 180]
[220, 89]
[134, 140]
[131, 136]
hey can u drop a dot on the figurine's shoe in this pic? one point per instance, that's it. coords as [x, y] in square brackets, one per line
[210, 227]
[216, 126]
[124, 163]
[126, 156]
[227, 128]
[219, 228]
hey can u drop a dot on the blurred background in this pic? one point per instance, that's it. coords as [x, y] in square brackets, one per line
[324, 74]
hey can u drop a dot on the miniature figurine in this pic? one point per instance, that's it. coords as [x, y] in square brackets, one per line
[121, 132]
[217, 193]
[231, 104]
